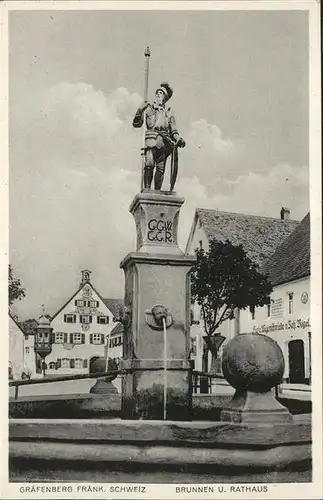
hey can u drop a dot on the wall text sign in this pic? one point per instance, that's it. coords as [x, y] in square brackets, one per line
[291, 324]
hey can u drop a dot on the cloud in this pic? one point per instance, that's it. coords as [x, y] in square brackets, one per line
[259, 194]
[209, 137]
[74, 123]
[210, 156]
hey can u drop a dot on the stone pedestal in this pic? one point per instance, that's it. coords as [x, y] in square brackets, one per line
[156, 274]
[254, 364]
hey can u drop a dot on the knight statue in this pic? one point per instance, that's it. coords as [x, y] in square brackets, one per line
[161, 138]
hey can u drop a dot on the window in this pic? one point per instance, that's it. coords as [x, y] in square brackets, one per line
[27, 350]
[85, 363]
[65, 363]
[115, 341]
[60, 338]
[290, 302]
[193, 346]
[93, 303]
[97, 338]
[52, 366]
[102, 320]
[85, 319]
[79, 363]
[80, 303]
[77, 338]
[70, 318]
[252, 311]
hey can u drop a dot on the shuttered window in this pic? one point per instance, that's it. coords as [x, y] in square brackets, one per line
[79, 363]
[70, 318]
[103, 320]
[97, 338]
[60, 337]
[77, 338]
[85, 319]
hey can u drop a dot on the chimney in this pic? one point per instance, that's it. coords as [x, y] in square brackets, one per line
[285, 213]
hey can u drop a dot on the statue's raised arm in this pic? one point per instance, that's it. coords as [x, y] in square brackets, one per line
[161, 139]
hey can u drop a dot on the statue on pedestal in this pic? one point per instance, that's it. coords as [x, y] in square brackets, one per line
[161, 138]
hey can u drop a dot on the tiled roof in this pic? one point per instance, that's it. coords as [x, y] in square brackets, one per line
[292, 258]
[114, 305]
[259, 236]
[117, 329]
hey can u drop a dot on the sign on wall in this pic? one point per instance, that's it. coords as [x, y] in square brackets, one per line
[277, 308]
[292, 324]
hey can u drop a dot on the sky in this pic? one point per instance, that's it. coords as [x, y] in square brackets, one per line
[76, 78]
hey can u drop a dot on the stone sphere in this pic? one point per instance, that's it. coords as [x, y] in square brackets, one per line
[253, 361]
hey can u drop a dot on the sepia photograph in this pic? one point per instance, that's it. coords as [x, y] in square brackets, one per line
[161, 179]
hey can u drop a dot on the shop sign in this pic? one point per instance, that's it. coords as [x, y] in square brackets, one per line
[292, 324]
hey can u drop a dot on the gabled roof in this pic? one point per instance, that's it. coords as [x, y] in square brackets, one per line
[16, 322]
[259, 236]
[117, 329]
[114, 305]
[292, 259]
[65, 303]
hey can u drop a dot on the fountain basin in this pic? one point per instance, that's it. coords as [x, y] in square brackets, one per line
[159, 443]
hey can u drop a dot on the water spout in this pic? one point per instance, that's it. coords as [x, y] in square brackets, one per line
[165, 368]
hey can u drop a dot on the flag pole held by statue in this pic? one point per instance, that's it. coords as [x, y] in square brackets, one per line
[147, 55]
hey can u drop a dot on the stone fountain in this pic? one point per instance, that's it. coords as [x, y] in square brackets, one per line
[254, 433]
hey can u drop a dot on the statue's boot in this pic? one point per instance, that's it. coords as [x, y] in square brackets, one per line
[159, 177]
[148, 177]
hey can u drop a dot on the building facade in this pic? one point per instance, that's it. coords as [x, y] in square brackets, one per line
[287, 318]
[260, 238]
[22, 359]
[84, 328]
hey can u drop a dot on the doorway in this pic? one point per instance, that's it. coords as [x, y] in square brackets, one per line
[296, 362]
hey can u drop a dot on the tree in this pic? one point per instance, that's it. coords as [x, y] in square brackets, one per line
[223, 279]
[29, 326]
[16, 290]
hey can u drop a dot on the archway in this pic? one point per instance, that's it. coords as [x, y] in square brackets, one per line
[296, 362]
[92, 364]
